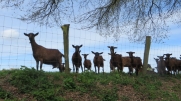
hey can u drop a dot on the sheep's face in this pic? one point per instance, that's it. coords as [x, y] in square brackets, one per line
[96, 54]
[31, 36]
[130, 54]
[156, 59]
[85, 56]
[168, 55]
[112, 48]
[77, 48]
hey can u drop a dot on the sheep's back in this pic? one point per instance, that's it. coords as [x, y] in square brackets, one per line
[98, 60]
[47, 54]
[126, 61]
[87, 63]
[77, 60]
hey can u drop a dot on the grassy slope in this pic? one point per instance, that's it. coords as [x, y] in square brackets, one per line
[28, 84]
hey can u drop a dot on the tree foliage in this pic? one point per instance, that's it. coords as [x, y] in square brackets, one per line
[135, 18]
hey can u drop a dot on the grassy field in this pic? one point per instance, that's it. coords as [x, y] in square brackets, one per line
[27, 84]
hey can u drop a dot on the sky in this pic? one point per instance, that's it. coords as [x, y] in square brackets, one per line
[16, 51]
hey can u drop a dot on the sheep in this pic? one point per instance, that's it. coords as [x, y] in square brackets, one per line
[98, 61]
[44, 55]
[76, 58]
[178, 67]
[135, 62]
[62, 68]
[87, 62]
[170, 63]
[160, 65]
[116, 59]
[157, 65]
[131, 56]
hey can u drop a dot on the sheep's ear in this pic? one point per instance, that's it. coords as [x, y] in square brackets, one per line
[80, 46]
[87, 54]
[101, 53]
[109, 53]
[108, 46]
[92, 52]
[25, 34]
[36, 34]
[115, 47]
[73, 46]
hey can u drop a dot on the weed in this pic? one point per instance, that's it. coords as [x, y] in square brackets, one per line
[69, 83]
[4, 94]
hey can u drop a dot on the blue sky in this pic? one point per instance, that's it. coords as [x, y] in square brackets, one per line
[15, 49]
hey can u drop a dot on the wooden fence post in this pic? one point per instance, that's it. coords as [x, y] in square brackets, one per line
[65, 29]
[146, 53]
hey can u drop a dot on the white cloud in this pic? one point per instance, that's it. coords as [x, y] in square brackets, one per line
[9, 33]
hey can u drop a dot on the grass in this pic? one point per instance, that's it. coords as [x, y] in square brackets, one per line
[28, 84]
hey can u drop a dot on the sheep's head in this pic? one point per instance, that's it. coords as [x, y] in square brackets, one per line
[31, 36]
[96, 53]
[85, 56]
[77, 48]
[112, 48]
[156, 59]
[167, 55]
[130, 54]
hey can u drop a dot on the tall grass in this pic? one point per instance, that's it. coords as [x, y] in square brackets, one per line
[57, 86]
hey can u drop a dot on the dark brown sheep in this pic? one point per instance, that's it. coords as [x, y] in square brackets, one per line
[44, 55]
[98, 61]
[116, 59]
[76, 58]
[87, 62]
[136, 63]
[170, 63]
[62, 67]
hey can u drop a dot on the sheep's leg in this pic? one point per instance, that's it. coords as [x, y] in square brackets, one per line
[136, 71]
[73, 68]
[82, 68]
[77, 69]
[113, 68]
[95, 69]
[41, 63]
[37, 64]
[59, 66]
[103, 69]
[98, 69]
[131, 70]
[119, 67]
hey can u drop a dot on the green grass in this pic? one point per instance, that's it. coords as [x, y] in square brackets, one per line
[55, 86]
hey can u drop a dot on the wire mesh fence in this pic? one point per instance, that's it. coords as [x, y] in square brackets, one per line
[16, 50]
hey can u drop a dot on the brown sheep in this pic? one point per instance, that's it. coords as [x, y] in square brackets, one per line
[87, 62]
[76, 58]
[44, 55]
[98, 61]
[116, 59]
[135, 62]
[62, 68]
[170, 63]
